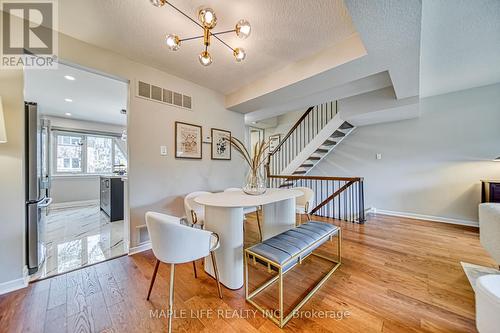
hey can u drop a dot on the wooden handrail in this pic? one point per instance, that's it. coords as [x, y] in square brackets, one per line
[297, 124]
[295, 177]
[331, 197]
[349, 190]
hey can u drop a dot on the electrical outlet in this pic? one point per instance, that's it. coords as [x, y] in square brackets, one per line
[163, 150]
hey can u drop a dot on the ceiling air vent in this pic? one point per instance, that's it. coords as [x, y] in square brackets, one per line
[162, 95]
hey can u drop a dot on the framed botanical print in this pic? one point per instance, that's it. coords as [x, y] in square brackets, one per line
[188, 141]
[274, 141]
[221, 147]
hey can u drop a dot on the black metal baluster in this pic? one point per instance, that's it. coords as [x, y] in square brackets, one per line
[351, 202]
[361, 201]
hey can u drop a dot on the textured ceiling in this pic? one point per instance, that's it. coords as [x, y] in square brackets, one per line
[95, 97]
[460, 45]
[390, 31]
[283, 31]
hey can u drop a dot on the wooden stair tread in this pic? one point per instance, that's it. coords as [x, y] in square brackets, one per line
[320, 150]
[346, 125]
[314, 158]
[337, 134]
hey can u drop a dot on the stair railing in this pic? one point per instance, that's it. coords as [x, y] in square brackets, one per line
[339, 198]
[301, 133]
[335, 197]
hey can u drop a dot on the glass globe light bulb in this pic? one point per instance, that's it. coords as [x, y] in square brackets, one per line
[207, 17]
[158, 3]
[205, 58]
[173, 42]
[243, 29]
[239, 54]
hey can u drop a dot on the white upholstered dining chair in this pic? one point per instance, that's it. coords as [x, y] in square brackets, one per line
[174, 243]
[248, 210]
[304, 203]
[195, 213]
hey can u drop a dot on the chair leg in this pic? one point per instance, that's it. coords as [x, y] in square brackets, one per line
[216, 271]
[153, 278]
[308, 217]
[171, 298]
[194, 269]
[258, 224]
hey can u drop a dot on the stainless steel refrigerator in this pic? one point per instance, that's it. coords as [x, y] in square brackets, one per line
[37, 186]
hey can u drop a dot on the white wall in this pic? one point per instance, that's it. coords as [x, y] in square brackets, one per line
[12, 255]
[284, 123]
[66, 189]
[430, 165]
[69, 188]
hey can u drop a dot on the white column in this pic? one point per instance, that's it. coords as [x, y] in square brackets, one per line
[278, 217]
[228, 224]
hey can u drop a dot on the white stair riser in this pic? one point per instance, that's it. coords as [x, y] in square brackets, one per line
[317, 143]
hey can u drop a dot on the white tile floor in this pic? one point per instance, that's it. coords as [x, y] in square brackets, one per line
[76, 237]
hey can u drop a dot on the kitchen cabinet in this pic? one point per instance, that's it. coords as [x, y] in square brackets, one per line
[112, 197]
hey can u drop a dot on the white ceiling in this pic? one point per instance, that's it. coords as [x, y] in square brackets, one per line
[390, 31]
[95, 97]
[460, 45]
[283, 31]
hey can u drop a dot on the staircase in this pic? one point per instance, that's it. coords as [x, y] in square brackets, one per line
[315, 135]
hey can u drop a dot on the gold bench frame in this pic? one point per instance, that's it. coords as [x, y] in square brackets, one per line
[282, 320]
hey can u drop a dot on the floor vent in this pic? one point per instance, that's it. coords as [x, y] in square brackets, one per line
[162, 95]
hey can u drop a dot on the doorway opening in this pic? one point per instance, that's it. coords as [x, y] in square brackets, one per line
[256, 136]
[76, 137]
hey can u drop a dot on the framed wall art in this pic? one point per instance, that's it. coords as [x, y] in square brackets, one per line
[274, 141]
[221, 147]
[188, 141]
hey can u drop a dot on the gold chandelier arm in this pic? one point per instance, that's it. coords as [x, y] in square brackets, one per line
[212, 34]
[190, 38]
[180, 11]
[201, 26]
[223, 32]
[223, 42]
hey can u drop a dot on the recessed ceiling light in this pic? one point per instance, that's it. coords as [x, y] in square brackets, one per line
[68, 114]
[69, 77]
[68, 100]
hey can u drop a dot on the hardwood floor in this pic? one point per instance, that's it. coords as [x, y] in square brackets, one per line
[398, 275]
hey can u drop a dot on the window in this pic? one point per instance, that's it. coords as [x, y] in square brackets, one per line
[69, 153]
[120, 159]
[87, 154]
[99, 154]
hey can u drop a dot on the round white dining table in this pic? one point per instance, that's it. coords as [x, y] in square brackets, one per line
[224, 216]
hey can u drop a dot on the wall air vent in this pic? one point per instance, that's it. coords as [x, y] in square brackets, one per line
[162, 95]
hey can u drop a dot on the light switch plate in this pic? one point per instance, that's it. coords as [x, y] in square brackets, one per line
[163, 150]
[378, 156]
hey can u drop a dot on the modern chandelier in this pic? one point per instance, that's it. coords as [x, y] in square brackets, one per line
[207, 21]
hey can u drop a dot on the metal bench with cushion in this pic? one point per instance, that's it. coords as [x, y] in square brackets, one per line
[282, 252]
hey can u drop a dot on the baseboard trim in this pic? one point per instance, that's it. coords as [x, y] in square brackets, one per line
[139, 248]
[469, 223]
[13, 285]
[73, 204]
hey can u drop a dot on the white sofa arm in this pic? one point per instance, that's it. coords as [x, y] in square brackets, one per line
[489, 229]
[488, 303]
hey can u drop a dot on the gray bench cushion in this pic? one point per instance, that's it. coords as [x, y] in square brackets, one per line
[281, 248]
